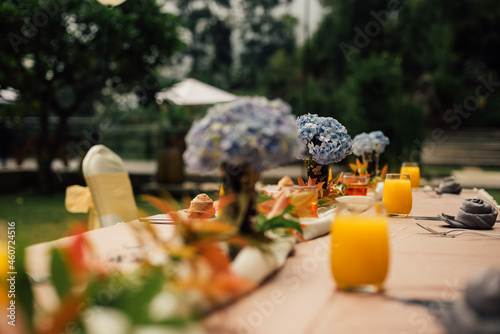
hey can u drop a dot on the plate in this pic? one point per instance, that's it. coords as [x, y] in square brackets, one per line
[356, 203]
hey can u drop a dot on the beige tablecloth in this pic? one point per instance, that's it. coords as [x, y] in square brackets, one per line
[302, 298]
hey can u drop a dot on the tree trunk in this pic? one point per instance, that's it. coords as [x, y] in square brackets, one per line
[47, 146]
[42, 145]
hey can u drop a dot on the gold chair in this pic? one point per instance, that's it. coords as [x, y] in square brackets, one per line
[108, 197]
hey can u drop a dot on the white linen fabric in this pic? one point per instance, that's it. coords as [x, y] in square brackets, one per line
[109, 185]
[257, 265]
[316, 227]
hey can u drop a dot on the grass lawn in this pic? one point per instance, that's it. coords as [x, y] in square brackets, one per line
[41, 218]
[495, 194]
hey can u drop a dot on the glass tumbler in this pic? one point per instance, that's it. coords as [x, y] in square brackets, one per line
[360, 245]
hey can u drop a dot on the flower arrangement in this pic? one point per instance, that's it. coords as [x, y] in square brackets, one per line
[374, 141]
[326, 140]
[248, 131]
[242, 138]
[369, 146]
[166, 285]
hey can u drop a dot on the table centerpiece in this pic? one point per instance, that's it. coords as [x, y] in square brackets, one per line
[369, 146]
[242, 138]
[326, 141]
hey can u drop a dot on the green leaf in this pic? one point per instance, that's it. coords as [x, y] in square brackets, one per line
[288, 209]
[134, 301]
[261, 197]
[59, 273]
[24, 292]
[322, 201]
[279, 222]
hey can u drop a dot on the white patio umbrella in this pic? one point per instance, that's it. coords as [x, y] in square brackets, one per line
[193, 92]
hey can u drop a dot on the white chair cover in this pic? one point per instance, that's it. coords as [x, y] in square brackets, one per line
[109, 185]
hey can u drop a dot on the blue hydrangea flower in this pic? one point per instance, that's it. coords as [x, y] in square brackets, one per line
[324, 139]
[380, 141]
[374, 141]
[250, 130]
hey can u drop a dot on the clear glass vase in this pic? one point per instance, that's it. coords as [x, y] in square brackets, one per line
[239, 205]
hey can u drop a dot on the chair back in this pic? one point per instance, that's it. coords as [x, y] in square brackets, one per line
[110, 186]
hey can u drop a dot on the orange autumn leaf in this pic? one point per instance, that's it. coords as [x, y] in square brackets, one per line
[225, 200]
[217, 286]
[310, 182]
[337, 178]
[160, 204]
[297, 233]
[215, 227]
[238, 240]
[78, 253]
[229, 285]
[359, 168]
[217, 259]
[181, 251]
[353, 167]
[67, 313]
[383, 172]
[302, 204]
[266, 207]
[300, 181]
[279, 205]
[303, 211]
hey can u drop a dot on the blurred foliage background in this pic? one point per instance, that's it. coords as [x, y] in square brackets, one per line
[395, 66]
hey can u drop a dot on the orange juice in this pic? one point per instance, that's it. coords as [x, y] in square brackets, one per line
[414, 171]
[397, 196]
[360, 252]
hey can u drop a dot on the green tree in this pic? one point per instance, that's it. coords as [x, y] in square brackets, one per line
[374, 63]
[231, 44]
[210, 27]
[262, 35]
[62, 56]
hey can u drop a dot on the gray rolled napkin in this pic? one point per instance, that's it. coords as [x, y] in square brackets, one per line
[477, 311]
[449, 186]
[474, 214]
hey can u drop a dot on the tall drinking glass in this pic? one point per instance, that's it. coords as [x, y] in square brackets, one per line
[412, 169]
[360, 246]
[397, 195]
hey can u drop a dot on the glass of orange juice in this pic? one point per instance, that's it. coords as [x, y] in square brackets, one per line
[397, 195]
[412, 169]
[360, 245]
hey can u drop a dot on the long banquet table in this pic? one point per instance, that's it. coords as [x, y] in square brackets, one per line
[301, 297]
